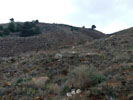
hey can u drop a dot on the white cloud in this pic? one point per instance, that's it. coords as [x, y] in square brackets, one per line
[45, 10]
[115, 26]
[108, 15]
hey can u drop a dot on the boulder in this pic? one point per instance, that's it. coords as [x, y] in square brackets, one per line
[69, 94]
[58, 56]
[78, 91]
[39, 82]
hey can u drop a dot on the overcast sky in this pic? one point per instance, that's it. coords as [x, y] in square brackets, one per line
[108, 15]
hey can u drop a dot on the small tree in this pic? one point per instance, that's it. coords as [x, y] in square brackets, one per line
[18, 27]
[29, 29]
[26, 29]
[1, 27]
[93, 27]
[83, 27]
[1, 33]
[5, 32]
[12, 20]
[36, 21]
[11, 27]
[37, 30]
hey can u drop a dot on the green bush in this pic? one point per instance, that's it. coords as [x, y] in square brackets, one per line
[11, 27]
[83, 77]
[18, 27]
[37, 30]
[35, 21]
[93, 27]
[65, 89]
[54, 88]
[96, 76]
[6, 32]
[1, 33]
[1, 27]
[11, 20]
[29, 29]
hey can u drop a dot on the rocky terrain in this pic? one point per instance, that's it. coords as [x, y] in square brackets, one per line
[96, 69]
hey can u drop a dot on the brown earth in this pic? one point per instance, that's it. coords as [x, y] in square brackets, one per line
[112, 56]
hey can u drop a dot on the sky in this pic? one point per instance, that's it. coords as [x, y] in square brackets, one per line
[108, 15]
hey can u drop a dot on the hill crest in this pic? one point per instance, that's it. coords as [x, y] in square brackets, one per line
[52, 36]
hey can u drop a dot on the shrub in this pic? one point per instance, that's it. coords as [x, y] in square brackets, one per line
[26, 29]
[37, 30]
[11, 20]
[1, 34]
[29, 29]
[96, 76]
[6, 32]
[18, 27]
[35, 21]
[83, 27]
[93, 27]
[83, 77]
[65, 89]
[11, 27]
[54, 89]
[1, 27]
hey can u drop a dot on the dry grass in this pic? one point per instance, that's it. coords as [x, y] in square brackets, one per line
[84, 76]
[54, 89]
[53, 36]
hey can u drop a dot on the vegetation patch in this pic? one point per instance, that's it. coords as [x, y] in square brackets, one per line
[84, 76]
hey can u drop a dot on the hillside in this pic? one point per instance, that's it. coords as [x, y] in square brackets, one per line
[52, 36]
[101, 68]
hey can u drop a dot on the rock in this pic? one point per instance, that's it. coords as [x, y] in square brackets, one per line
[73, 47]
[58, 56]
[73, 91]
[7, 84]
[78, 91]
[69, 94]
[109, 98]
[39, 82]
[73, 52]
[38, 98]
[130, 96]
